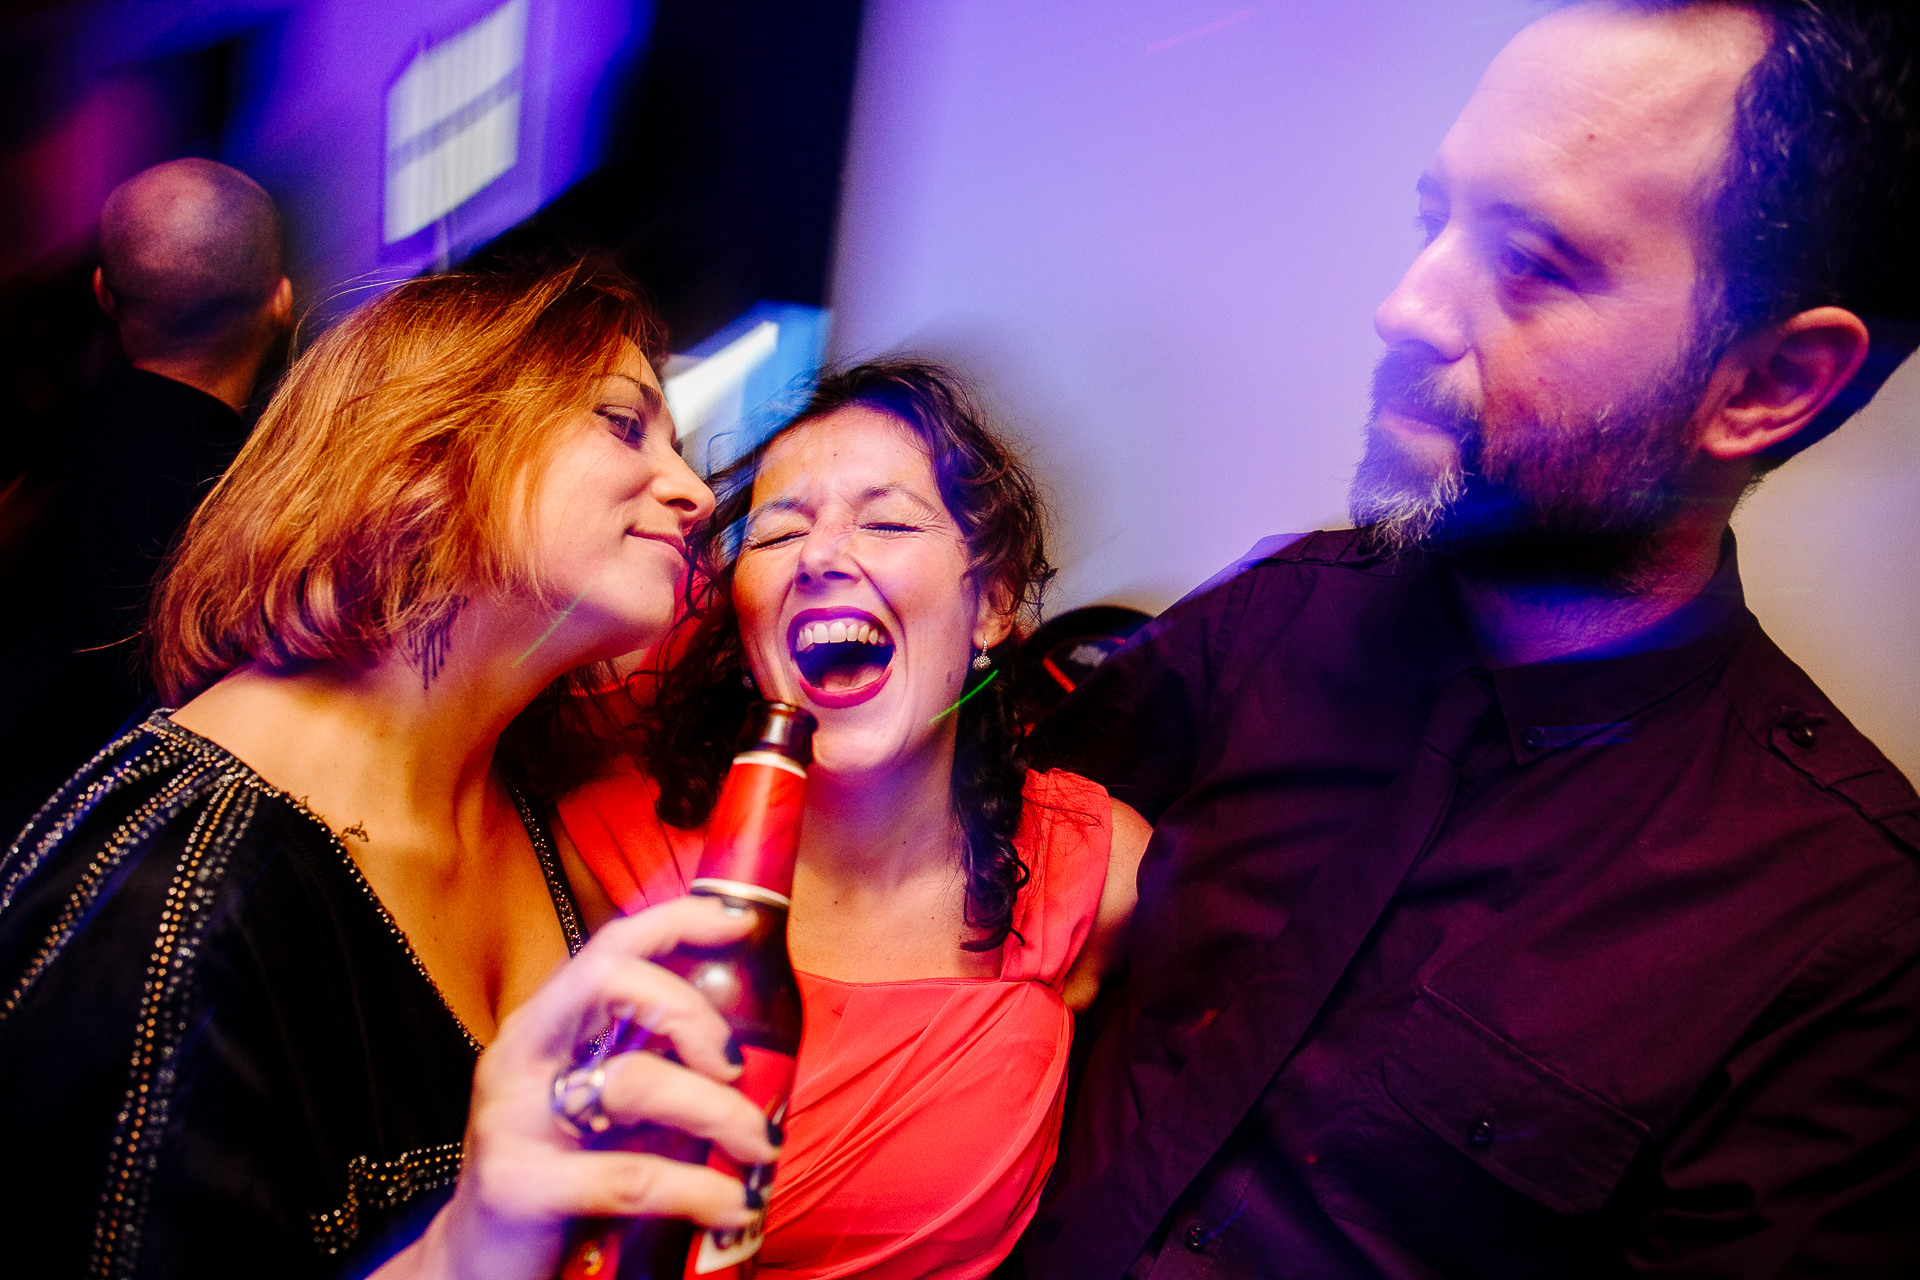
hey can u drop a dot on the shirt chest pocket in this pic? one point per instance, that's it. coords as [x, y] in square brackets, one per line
[1541, 1134]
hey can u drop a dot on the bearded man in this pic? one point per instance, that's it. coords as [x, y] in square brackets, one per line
[1515, 907]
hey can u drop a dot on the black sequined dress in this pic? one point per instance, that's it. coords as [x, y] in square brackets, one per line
[218, 1053]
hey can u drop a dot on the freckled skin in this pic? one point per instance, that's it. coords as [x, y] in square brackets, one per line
[609, 514]
[847, 513]
[847, 516]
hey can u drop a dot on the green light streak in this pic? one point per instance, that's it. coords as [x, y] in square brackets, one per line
[559, 618]
[963, 697]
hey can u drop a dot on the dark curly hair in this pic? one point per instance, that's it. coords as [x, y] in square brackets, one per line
[1818, 198]
[688, 731]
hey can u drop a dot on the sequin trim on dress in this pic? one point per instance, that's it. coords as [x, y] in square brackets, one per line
[20, 861]
[557, 888]
[384, 1185]
[184, 922]
[140, 826]
[232, 792]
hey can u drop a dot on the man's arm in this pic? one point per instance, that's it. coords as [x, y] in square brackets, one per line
[1135, 725]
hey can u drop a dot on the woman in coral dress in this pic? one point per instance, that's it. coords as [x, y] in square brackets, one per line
[952, 909]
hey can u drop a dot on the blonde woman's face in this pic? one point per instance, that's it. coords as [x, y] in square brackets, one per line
[611, 515]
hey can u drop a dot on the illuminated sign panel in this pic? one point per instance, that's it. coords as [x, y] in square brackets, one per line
[453, 120]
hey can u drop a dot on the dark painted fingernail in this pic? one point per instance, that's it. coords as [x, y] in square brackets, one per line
[755, 1200]
[734, 1055]
[776, 1134]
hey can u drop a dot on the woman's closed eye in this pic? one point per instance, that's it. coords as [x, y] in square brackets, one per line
[760, 539]
[628, 427]
[776, 537]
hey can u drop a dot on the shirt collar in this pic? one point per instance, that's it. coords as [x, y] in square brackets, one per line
[1592, 698]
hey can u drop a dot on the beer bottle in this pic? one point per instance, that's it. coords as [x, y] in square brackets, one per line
[747, 863]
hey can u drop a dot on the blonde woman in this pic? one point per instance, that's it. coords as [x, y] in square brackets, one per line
[251, 955]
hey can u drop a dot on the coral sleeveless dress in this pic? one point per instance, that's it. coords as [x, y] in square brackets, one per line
[926, 1113]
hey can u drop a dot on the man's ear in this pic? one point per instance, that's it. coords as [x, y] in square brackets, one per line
[280, 307]
[102, 294]
[1777, 381]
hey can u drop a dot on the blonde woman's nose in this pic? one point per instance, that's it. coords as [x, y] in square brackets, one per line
[678, 487]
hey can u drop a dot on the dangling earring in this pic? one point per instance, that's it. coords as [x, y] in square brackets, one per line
[981, 661]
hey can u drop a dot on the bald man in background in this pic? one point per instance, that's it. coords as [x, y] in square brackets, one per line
[192, 261]
[192, 273]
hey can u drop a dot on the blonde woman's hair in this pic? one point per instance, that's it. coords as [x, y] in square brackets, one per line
[388, 480]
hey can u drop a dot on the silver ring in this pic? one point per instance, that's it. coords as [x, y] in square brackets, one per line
[577, 1100]
[577, 1091]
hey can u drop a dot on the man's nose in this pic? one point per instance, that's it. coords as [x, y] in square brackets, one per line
[1428, 305]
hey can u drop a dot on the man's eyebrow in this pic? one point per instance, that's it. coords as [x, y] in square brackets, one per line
[1579, 259]
[1581, 262]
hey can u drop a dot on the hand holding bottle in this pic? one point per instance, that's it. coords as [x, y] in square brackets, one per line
[526, 1174]
[752, 840]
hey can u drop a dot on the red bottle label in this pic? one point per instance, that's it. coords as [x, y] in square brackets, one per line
[755, 828]
[767, 1082]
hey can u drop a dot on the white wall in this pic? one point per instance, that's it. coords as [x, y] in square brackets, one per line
[1830, 549]
[1156, 231]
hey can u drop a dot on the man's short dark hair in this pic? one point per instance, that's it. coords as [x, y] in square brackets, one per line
[191, 250]
[1817, 203]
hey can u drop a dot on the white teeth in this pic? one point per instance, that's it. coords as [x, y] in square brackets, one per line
[839, 631]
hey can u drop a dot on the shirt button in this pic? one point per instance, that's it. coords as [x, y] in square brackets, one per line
[1534, 738]
[1802, 734]
[1480, 1137]
[1196, 1237]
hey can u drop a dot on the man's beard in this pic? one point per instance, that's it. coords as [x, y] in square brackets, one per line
[1550, 499]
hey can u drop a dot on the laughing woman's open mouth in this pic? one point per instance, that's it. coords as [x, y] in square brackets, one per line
[843, 655]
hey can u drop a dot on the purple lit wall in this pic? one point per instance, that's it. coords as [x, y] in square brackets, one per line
[303, 100]
[1157, 232]
[322, 137]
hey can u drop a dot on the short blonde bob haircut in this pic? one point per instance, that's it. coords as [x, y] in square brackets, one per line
[387, 482]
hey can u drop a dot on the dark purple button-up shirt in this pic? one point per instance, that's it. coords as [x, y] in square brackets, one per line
[1648, 1000]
